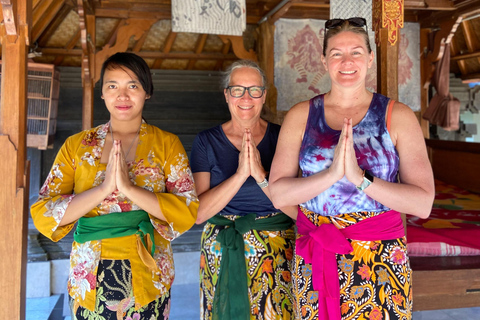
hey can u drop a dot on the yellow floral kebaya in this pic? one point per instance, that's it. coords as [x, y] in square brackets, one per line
[160, 166]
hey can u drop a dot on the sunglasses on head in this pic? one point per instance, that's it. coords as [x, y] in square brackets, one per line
[356, 22]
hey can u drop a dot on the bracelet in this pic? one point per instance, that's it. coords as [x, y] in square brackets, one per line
[263, 184]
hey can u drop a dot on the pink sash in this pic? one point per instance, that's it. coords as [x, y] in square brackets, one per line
[319, 245]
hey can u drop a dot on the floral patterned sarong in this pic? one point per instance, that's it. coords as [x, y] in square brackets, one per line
[268, 258]
[375, 279]
[115, 300]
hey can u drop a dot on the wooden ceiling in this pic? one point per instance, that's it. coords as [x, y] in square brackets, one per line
[56, 30]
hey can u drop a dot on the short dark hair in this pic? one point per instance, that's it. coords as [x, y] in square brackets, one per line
[132, 62]
[345, 26]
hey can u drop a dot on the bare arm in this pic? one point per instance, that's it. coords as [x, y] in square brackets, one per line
[416, 191]
[212, 201]
[258, 173]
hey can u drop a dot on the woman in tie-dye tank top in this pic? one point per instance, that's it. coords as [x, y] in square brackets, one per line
[363, 160]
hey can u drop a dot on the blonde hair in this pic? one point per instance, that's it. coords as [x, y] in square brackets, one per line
[345, 26]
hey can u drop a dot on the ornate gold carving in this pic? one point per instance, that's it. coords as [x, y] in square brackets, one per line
[390, 13]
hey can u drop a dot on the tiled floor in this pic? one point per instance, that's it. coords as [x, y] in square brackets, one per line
[185, 306]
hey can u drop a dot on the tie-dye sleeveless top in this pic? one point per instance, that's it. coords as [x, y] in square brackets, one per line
[374, 150]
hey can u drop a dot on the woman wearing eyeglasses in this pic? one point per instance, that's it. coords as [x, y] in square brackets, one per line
[363, 160]
[247, 244]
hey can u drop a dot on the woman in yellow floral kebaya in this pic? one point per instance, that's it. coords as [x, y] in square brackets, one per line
[129, 187]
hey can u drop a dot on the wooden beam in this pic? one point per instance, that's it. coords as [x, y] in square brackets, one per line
[280, 13]
[112, 37]
[471, 78]
[454, 51]
[14, 171]
[133, 28]
[443, 36]
[190, 55]
[466, 56]
[152, 54]
[166, 48]
[9, 14]
[87, 36]
[225, 49]
[431, 5]
[387, 66]
[424, 98]
[55, 23]
[71, 44]
[198, 49]
[265, 51]
[45, 17]
[471, 38]
[131, 14]
[238, 47]
[139, 44]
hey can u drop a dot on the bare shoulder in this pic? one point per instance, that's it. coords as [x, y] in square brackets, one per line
[404, 122]
[297, 114]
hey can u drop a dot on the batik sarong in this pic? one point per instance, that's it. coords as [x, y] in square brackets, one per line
[375, 279]
[114, 299]
[268, 259]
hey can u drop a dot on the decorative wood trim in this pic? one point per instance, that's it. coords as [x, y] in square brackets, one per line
[9, 18]
[239, 48]
[133, 27]
[112, 37]
[391, 15]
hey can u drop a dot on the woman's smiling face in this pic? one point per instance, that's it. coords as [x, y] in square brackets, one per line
[123, 94]
[245, 107]
[347, 59]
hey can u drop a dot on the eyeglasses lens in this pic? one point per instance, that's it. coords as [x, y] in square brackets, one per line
[239, 91]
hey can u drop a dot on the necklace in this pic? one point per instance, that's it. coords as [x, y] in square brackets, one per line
[131, 144]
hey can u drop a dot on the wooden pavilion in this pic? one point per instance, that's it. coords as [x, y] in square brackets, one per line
[82, 33]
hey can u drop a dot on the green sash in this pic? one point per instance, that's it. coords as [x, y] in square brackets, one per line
[115, 225]
[231, 299]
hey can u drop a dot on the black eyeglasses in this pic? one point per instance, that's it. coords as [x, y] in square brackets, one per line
[238, 91]
[356, 22]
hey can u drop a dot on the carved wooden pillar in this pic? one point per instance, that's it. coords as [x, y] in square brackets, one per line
[87, 34]
[387, 21]
[266, 61]
[14, 171]
[424, 124]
